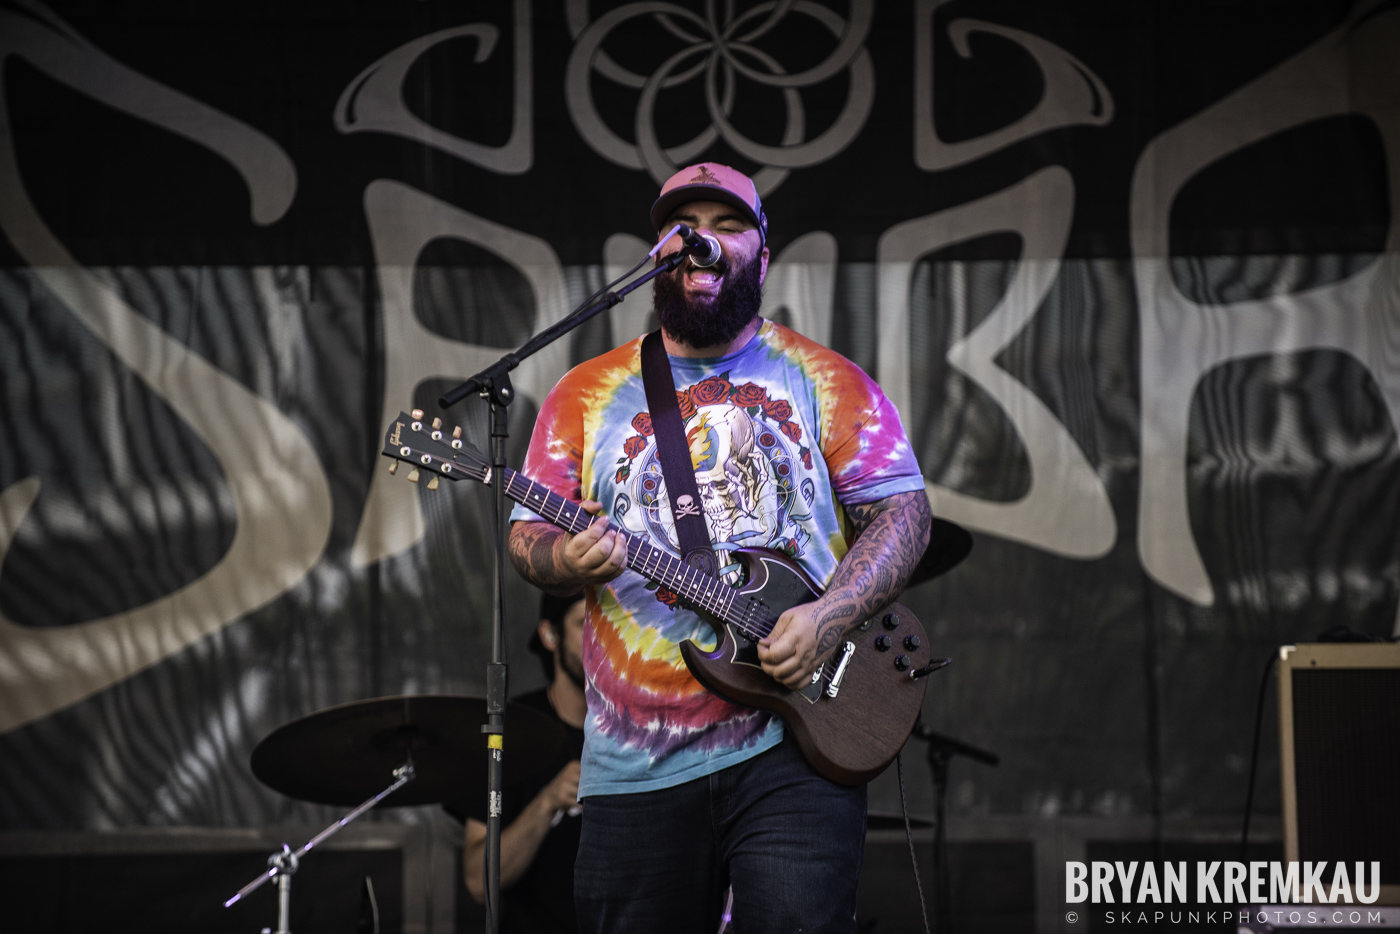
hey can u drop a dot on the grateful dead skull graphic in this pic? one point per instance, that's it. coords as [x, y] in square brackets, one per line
[748, 459]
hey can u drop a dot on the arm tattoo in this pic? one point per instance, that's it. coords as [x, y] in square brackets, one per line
[892, 534]
[531, 546]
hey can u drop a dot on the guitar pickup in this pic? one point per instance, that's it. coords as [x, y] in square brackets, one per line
[835, 685]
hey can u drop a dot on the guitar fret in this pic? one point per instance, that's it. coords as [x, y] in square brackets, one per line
[709, 590]
[686, 572]
[705, 598]
[691, 577]
[682, 573]
[716, 601]
[539, 499]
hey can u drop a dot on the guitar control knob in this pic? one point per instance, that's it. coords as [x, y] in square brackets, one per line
[891, 620]
[911, 642]
[883, 643]
[902, 662]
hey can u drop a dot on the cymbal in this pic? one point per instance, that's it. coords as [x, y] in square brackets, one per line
[948, 545]
[344, 755]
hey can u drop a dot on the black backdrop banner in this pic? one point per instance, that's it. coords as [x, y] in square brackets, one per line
[1131, 273]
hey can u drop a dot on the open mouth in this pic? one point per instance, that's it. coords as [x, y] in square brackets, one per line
[706, 280]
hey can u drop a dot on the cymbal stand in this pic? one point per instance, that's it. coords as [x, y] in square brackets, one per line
[283, 863]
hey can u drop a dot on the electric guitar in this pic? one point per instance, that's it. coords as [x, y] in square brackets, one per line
[854, 716]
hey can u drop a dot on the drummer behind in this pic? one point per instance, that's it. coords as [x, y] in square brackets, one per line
[540, 834]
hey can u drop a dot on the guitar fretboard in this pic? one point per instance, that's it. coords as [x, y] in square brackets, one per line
[751, 617]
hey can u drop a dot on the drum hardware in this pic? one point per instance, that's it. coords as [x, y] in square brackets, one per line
[283, 864]
[342, 754]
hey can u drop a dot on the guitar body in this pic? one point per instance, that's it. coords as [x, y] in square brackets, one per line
[851, 737]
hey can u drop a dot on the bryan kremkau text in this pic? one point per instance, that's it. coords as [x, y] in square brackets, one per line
[1253, 883]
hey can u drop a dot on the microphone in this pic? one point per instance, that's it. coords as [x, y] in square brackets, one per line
[704, 250]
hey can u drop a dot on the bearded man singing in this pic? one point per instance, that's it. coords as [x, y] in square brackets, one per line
[794, 448]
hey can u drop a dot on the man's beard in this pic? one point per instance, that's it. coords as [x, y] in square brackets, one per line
[572, 666]
[697, 324]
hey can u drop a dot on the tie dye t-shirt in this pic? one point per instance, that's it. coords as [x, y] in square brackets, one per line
[781, 434]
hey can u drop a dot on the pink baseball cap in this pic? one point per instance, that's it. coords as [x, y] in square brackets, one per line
[710, 181]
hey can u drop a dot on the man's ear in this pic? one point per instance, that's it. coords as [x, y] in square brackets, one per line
[762, 265]
[547, 636]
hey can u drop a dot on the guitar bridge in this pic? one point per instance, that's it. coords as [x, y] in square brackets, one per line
[835, 685]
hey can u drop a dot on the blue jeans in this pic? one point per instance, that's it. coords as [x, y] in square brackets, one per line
[789, 841]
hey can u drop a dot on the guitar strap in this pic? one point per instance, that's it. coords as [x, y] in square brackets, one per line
[674, 453]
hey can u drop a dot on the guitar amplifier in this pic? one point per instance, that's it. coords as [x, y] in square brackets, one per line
[1339, 756]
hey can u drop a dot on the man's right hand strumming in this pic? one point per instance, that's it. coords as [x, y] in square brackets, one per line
[561, 563]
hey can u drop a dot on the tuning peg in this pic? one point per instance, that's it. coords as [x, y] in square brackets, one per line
[437, 423]
[457, 432]
[417, 413]
[413, 475]
[393, 466]
[433, 483]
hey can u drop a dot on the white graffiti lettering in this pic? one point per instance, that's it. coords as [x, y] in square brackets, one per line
[402, 221]
[1347, 71]
[374, 101]
[281, 498]
[1066, 511]
[1073, 94]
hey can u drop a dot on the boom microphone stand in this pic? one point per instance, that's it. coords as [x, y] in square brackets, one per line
[493, 384]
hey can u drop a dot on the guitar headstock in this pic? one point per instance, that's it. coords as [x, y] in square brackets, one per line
[427, 447]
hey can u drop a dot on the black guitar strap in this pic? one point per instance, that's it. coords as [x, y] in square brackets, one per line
[674, 454]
